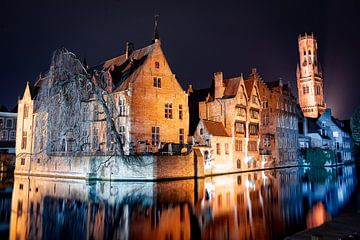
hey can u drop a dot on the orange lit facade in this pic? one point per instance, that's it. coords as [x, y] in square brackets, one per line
[310, 78]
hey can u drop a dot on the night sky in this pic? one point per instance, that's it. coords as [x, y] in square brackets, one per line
[198, 39]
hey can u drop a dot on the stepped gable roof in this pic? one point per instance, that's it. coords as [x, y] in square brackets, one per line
[215, 128]
[231, 87]
[124, 70]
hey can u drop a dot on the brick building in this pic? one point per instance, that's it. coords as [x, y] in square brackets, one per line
[234, 104]
[279, 121]
[152, 107]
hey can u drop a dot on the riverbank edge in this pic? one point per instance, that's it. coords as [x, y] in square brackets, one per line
[90, 178]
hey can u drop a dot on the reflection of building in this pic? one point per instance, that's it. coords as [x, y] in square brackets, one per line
[7, 130]
[310, 78]
[255, 205]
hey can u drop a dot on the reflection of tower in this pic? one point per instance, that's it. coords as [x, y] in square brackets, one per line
[310, 78]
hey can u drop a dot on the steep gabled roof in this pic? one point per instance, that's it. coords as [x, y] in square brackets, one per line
[215, 128]
[249, 85]
[124, 70]
[231, 87]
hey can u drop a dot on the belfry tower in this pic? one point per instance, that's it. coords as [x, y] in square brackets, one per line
[310, 78]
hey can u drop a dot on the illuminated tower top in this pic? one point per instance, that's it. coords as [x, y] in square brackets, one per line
[310, 78]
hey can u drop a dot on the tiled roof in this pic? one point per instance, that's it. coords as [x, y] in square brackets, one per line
[215, 128]
[249, 84]
[124, 70]
[231, 87]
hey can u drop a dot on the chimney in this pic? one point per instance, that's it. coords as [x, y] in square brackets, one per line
[219, 85]
[190, 89]
[129, 49]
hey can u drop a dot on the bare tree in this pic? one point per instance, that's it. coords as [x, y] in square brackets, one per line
[67, 93]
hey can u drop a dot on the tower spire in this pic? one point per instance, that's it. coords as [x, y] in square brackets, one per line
[156, 36]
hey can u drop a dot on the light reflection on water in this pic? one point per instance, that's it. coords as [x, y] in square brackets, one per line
[257, 205]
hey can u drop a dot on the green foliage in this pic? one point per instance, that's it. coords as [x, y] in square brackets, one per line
[318, 156]
[355, 126]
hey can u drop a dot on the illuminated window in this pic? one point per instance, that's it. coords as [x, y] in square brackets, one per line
[317, 90]
[157, 82]
[226, 148]
[254, 129]
[22, 161]
[239, 127]
[240, 111]
[336, 134]
[306, 89]
[254, 114]
[218, 152]
[155, 136]
[157, 65]
[238, 145]
[181, 136]
[180, 112]
[168, 111]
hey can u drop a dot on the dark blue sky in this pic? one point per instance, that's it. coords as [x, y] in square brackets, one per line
[198, 39]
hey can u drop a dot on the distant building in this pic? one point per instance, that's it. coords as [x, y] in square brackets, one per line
[7, 130]
[310, 80]
[329, 133]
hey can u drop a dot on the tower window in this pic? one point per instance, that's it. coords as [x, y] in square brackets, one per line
[317, 90]
[305, 89]
[304, 52]
[309, 52]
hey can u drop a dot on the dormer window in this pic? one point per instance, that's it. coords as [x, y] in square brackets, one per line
[157, 65]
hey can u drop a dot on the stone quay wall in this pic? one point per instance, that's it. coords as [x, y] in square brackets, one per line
[151, 167]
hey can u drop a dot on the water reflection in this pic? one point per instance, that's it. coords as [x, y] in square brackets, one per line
[257, 205]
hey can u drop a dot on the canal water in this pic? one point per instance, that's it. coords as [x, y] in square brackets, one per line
[256, 205]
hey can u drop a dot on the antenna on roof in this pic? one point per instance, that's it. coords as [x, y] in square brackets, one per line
[156, 36]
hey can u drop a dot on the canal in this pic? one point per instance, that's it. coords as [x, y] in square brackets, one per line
[256, 205]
